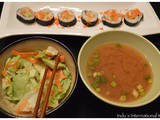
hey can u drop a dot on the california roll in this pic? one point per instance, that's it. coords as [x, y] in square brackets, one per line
[112, 18]
[44, 17]
[133, 17]
[67, 18]
[89, 18]
[25, 15]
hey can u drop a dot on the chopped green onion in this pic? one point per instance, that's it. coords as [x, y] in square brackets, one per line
[96, 56]
[124, 93]
[98, 89]
[89, 74]
[146, 65]
[103, 79]
[113, 84]
[97, 79]
[94, 85]
[147, 77]
[92, 68]
[122, 98]
[96, 61]
[90, 63]
[118, 45]
[143, 93]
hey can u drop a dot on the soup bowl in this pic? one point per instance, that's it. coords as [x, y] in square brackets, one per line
[138, 42]
[31, 44]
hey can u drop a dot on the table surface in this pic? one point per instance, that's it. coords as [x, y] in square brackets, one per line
[82, 103]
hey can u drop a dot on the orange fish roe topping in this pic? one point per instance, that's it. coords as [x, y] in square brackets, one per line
[79, 17]
[66, 14]
[84, 26]
[133, 13]
[114, 15]
[101, 28]
[78, 20]
[101, 13]
[99, 21]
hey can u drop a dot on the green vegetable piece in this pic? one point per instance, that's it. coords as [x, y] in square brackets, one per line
[113, 84]
[118, 45]
[96, 61]
[98, 89]
[124, 93]
[103, 79]
[51, 63]
[96, 56]
[147, 77]
[92, 68]
[97, 79]
[89, 74]
[90, 63]
[41, 54]
[146, 65]
[143, 93]
[94, 85]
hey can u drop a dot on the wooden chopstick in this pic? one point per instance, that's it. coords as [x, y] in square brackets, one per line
[40, 94]
[43, 110]
[49, 88]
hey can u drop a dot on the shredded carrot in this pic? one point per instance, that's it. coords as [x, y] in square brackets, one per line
[52, 93]
[22, 106]
[24, 53]
[32, 60]
[49, 74]
[101, 28]
[49, 103]
[58, 85]
[4, 73]
[47, 83]
[61, 75]
[62, 58]
[8, 82]
[30, 108]
[40, 81]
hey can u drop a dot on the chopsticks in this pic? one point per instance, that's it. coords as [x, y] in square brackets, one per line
[43, 110]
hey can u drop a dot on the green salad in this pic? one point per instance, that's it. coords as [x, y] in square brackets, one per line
[22, 77]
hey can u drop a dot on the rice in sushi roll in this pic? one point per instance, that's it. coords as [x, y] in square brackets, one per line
[133, 17]
[44, 17]
[25, 15]
[66, 18]
[89, 18]
[112, 18]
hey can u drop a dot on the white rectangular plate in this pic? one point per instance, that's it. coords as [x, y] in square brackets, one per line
[9, 25]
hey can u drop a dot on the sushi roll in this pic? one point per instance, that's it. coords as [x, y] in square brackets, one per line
[112, 18]
[25, 15]
[44, 17]
[66, 18]
[89, 18]
[133, 17]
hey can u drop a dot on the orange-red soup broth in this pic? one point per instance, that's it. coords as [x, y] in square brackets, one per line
[119, 72]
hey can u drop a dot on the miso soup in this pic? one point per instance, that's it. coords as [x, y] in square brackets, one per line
[119, 72]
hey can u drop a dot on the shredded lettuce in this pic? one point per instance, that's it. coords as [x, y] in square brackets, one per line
[23, 80]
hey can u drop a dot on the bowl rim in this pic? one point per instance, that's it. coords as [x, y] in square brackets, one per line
[47, 39]
[99, 96]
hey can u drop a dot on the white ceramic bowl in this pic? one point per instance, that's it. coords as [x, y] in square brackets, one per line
[138, 42]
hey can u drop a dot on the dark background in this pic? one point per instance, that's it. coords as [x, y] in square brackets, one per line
[82, 103]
